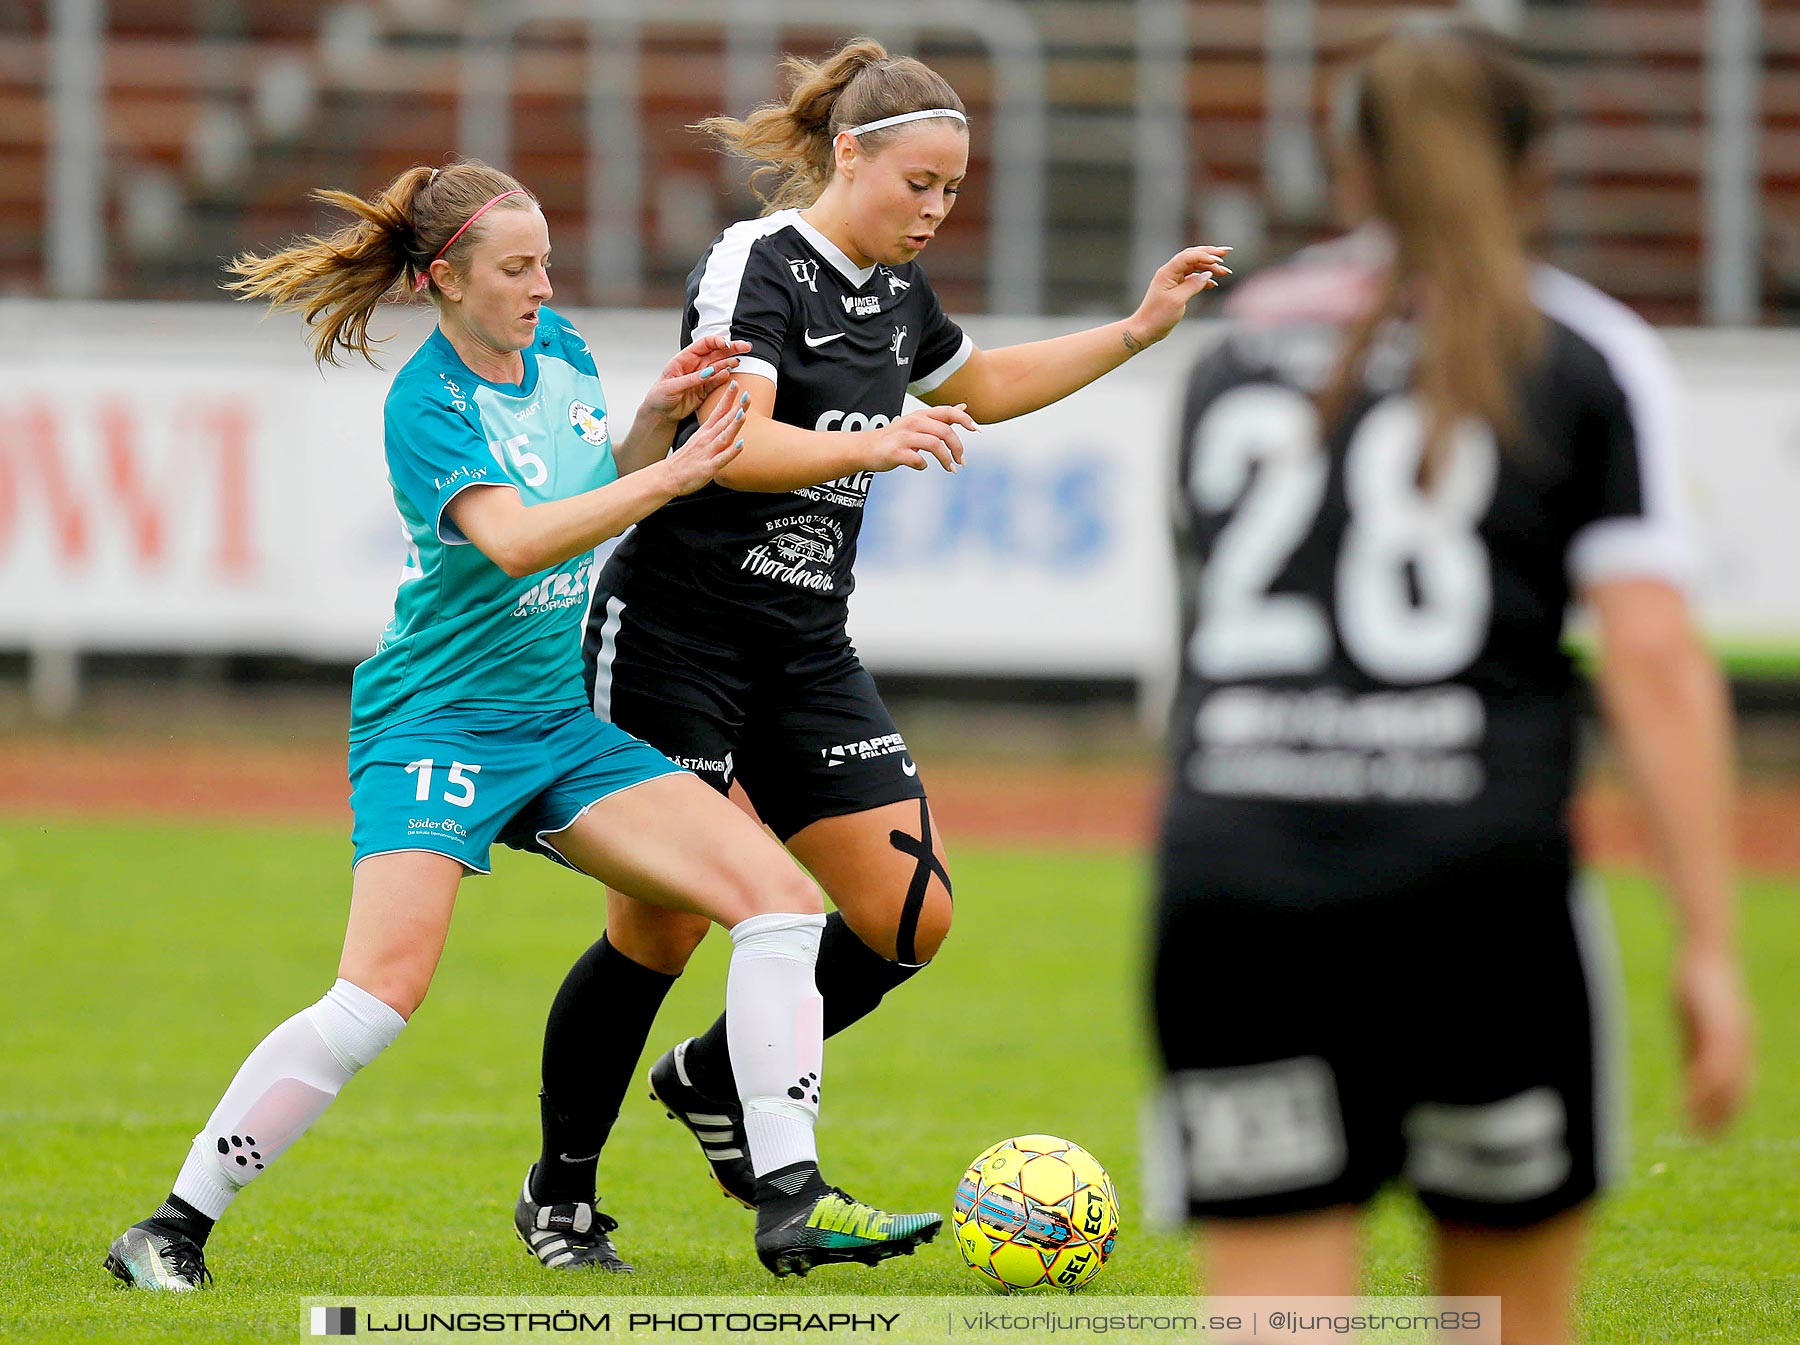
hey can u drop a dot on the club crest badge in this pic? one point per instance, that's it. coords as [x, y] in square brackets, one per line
[589, 426]
[805, 272]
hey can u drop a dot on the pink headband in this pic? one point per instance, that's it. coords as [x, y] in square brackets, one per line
[425, 275]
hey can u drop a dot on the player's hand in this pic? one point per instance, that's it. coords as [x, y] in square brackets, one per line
[1179, 279]
[1714, 1014]
[692, 376]
[918, 437]
[718, 439]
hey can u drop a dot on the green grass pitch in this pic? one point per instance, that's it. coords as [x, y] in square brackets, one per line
[142, 962]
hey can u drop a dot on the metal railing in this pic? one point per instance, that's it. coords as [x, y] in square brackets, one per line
[1732, 183]
[615, 176]
[1161, 37]
[74, 239]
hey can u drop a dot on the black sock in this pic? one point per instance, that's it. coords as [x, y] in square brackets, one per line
[177, 1215]
[597, 1028]
[781, 1192]
[851, 976]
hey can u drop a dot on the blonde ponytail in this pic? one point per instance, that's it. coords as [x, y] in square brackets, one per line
[1445, 119]
[335, 282]
[792, 142]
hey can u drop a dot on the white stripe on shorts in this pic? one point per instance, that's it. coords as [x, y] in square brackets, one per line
[1598, 948]
[603, 659]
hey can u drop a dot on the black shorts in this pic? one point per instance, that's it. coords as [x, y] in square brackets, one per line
[1456, 1035]
[802, 729]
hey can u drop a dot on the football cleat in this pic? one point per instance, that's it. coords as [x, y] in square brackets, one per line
[566, 1237]
[717, 1125]
[836, 1228]
[147, 1256]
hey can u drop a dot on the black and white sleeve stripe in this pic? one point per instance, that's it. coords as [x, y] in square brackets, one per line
[932, 381]
[1643, 530]
[732, 301]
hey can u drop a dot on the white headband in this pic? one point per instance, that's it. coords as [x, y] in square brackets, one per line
[886, 122]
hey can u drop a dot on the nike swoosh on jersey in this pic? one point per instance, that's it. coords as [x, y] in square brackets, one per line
[816, 341]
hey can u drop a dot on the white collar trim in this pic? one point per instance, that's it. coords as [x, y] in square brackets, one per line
[856, 275]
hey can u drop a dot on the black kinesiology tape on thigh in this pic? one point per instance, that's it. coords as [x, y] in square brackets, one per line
[905, 940]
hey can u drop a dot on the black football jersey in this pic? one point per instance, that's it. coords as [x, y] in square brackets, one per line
[843, 345]
[1368, 662]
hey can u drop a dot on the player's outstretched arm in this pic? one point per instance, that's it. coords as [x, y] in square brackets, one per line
[523, 539]
[779, 457]
[685, 384]
[1000, 384]
[1666, 705]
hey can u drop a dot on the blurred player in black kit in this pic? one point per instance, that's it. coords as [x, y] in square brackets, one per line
[1374, 957]
[719, 634]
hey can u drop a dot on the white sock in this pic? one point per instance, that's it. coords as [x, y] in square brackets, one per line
[281, 1089]
[775, 1027]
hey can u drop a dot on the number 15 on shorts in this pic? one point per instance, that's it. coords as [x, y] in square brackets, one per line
[459, 788]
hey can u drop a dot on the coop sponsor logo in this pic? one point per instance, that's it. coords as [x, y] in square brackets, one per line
[866, 749]
[851, 421]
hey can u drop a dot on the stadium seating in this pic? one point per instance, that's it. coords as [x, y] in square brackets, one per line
[213, 136]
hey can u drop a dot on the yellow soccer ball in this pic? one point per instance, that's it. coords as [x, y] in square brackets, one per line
[1035, 1213]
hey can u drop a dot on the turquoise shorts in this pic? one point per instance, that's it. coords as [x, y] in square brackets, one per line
[457, 782]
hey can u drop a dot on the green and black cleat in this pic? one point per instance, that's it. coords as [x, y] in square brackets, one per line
[835, 1229]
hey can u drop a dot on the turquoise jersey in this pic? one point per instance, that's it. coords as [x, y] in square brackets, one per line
[463, 633]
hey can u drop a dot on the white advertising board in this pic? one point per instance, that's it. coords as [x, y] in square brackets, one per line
[179, 477]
